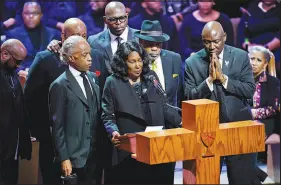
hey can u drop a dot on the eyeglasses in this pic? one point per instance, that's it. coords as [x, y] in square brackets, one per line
[31, 13]
[115, 19]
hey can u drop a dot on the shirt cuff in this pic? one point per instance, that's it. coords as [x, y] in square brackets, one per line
[210, 85]
[226, 82]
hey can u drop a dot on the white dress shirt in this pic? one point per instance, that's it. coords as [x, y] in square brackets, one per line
[211, 85]
[159, 71]
[79, 79]
[114, 42]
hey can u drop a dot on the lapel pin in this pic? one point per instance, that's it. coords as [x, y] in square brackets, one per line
[226, 63]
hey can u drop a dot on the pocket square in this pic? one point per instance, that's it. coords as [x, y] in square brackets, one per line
[175, 75]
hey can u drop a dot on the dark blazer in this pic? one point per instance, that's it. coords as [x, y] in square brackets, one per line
[173, 74]
[73, 125]
[44, 70]
[101, 42]
[270, 96]
[21, 33]
[12, 120]
[119, 115]
[240, 87]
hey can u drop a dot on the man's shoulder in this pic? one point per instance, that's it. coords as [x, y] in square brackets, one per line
[97, 36]
[59, 81]
[235, 50]
[17, 31]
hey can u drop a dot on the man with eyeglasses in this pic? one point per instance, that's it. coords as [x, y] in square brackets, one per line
[14, 132]
[118, 31]
[33, 33]
[44, 70]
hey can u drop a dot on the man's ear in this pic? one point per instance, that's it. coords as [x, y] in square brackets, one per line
[5, 55]
[104, 19]
[224, 37]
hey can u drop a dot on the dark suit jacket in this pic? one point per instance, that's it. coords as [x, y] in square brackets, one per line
[240, 87]
[21, 33]
[101, 42]
[173, 74]
[119, 115]
[12, 120]
[74, 126]
[44, 70]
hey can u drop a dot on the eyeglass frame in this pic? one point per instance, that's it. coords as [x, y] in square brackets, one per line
[115, 19]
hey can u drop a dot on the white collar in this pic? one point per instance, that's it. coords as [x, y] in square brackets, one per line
[221, 54]
[124, 35]
[74, 71]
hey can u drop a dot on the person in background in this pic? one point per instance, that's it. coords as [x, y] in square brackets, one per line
[192, 26]
[266, 100]
[94, 17]
[15, 139]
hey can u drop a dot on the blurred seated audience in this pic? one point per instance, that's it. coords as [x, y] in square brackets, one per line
[192, 26]
[259, 25]
[33, 34]
[57, 12]
[94, 17]
[266, 100]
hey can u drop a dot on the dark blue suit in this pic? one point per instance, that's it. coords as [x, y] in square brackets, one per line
[21, 33]
[173, 74]
[240, 87]
[101, 42]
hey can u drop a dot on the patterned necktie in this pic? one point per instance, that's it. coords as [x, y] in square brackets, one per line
[87, 89]
[221, 100]
[118, 39]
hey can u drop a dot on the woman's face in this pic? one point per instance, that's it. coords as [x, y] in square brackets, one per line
[135, 64]
[205, 7]
[258, 62]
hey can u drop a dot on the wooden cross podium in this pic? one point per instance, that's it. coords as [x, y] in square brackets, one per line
[199, 144]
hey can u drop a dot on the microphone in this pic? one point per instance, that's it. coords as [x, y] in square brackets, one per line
[244, 11]
[158, 86]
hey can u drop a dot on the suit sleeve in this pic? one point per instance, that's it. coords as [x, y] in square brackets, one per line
[192, 90]
[180, 90]
[108, 116]
[245, 85]
[57, 113]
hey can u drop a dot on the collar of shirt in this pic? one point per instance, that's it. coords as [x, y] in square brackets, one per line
[124, 35]
[75, 72]
[220, 57]
[260, 6]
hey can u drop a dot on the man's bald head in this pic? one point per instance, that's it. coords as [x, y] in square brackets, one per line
[213, 37]
[12, 51]
[114, 7]
[73, 26]
[116, 17]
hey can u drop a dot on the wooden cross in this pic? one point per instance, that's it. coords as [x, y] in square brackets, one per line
[202, 141]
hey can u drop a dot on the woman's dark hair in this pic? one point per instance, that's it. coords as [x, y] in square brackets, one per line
[118, 63]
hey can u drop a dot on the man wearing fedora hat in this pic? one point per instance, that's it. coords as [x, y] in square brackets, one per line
[166, 64]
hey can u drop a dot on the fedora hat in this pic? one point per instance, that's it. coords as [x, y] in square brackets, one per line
[152, 31]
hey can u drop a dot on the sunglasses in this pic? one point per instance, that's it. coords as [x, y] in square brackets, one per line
[115, 19]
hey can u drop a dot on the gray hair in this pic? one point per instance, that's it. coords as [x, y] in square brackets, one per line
[266, 53]
[69, 47]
